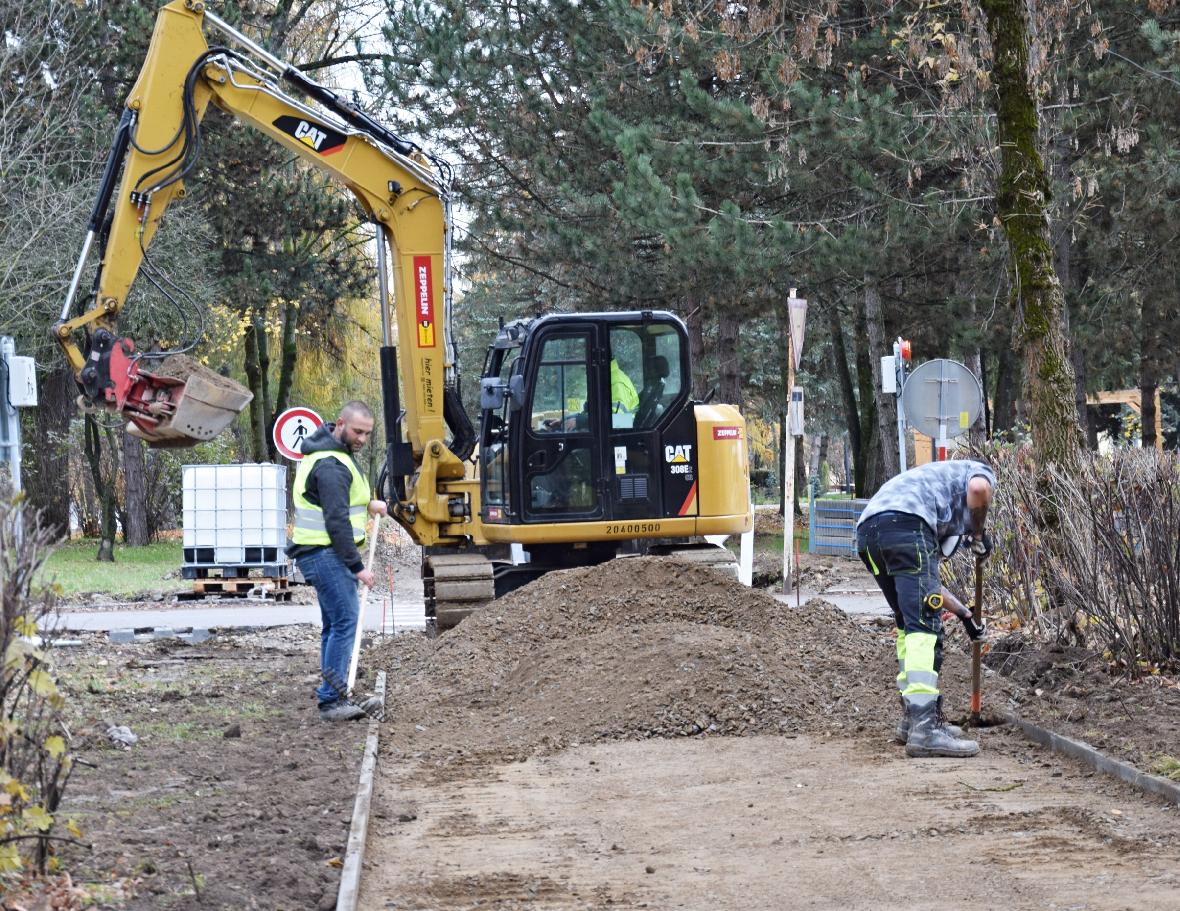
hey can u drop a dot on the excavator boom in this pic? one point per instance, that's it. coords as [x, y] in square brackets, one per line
[402, 190]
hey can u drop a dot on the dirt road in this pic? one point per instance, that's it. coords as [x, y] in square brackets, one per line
[771, 823]
[645, 735]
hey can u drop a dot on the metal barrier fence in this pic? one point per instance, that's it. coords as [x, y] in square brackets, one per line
[832, 528]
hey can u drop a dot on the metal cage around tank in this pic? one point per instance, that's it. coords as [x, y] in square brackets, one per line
[235, 520]
[832, 525]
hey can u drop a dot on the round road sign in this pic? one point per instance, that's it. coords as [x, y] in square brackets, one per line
[292, 427]
[942, 394]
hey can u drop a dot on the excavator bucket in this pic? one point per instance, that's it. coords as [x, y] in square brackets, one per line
[181, 403]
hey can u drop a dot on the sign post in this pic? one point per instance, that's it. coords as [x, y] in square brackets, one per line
[793, 419]
[291, 428]
[18, 389]
[895, 384]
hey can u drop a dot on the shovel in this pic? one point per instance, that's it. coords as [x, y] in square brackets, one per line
[977, 648]
[360, 614]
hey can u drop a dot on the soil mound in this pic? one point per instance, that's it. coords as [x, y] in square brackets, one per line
[636, 648]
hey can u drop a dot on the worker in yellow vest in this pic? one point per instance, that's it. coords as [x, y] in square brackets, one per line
[332, 505]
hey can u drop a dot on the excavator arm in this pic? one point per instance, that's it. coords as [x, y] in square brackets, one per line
[404, 192]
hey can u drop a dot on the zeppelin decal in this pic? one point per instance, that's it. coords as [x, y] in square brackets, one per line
[727, 433]
[424, 296]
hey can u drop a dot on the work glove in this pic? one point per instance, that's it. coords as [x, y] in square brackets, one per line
[975, 631]
[980, 545]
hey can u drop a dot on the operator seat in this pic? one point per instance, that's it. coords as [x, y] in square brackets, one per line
[650, 407]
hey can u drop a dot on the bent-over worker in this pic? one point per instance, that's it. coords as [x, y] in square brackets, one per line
[914, 519]
[332, 504]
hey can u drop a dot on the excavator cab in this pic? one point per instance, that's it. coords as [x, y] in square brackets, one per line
[587, 418]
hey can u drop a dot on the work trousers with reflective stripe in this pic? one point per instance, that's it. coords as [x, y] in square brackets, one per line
[902, 553]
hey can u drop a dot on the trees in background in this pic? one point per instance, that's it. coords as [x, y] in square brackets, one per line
[699, 158]
[706, 158]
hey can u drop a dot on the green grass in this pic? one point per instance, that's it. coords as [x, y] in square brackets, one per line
[136, 569]
[771, 543]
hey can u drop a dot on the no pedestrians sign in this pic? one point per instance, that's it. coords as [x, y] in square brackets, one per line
[292, 427]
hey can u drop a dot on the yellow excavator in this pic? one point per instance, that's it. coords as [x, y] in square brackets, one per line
[589, 443]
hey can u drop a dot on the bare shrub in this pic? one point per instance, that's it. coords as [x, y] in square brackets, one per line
[1093, 557]
[35, 762]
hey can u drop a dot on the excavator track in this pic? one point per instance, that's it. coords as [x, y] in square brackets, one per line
[455, 585]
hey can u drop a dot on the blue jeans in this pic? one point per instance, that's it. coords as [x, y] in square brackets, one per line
[336, 587]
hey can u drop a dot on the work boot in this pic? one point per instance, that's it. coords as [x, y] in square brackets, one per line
[341, 710]
[929, 736]
[902, 733]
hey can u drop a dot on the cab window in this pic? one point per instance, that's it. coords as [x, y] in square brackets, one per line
[559, 397]
[645, 373]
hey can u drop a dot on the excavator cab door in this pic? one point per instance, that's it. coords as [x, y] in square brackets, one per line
[560, 457]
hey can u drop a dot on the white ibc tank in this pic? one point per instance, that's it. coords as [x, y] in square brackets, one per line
[235, 514]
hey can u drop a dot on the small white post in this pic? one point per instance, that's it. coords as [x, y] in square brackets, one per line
[746, 561]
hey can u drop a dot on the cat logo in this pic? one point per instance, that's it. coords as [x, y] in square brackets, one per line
[315, 136]
[678, 455]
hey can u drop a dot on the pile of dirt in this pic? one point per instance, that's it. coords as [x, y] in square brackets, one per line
[182, 367]
[633, 649]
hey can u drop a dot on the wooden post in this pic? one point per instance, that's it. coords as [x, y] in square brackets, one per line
[977, 647]
[788, 475]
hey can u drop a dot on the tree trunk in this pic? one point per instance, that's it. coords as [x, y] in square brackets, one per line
[886, 403]
[104, 486]
[288, 353]
[696, 344]
[161, 505]
[135, 493]
[1062, 151]
[47, 469]
[867, 457]
[1022, 200]
[263, 342]
[844, 375]
[728, 360]
[1007, 382]
[822, 461]
[258, 412]
[1149, 345]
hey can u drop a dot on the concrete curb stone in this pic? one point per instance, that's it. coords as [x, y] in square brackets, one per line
[1097, 760]
[354, 854]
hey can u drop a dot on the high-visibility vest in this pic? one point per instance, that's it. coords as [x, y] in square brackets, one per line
[309, 518]
[622, 390]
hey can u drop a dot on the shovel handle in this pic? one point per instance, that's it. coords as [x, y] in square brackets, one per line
[977, 646]
[360, 614]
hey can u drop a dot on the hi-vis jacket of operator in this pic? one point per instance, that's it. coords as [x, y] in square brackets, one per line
[331, 500]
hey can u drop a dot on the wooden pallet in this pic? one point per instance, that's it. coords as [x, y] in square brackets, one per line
[241, 587]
